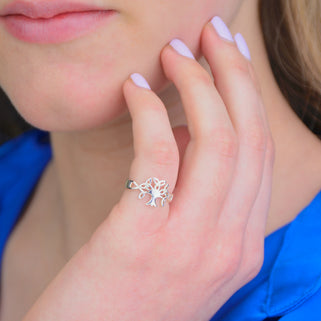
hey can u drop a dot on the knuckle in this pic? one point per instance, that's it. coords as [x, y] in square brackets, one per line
[163, 152]
[225, 256]
[183, 262]
[232, 268]
[254, 135]
[199, 78]
[223, 141]
[270, 149]
[182, 256]
[257, 265]
[255, 262]
[255, 79]
[231, 257]
[232, 263]
[238, 64]
[154, 105]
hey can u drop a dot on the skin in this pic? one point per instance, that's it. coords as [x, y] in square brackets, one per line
[132, 43]
[93, 141]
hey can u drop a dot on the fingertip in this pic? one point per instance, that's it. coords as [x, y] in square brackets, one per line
[139, 80]
[181, 48]
[242, 46]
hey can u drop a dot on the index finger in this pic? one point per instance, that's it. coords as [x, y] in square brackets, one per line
[156, 157]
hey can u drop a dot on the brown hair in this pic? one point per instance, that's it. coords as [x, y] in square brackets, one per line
[291, 30]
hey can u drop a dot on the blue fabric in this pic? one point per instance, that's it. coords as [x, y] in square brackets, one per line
[22, 161]
[288, 287]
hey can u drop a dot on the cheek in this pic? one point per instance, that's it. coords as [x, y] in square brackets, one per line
[78, 85]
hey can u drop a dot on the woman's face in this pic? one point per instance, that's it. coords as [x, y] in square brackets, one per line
[77, 84]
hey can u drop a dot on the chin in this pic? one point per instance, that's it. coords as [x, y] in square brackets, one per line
[74, 115]
[77, 107]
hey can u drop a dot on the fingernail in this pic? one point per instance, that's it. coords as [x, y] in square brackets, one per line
[222, 29]
[181, 48]
[241, 44]
[139, 80]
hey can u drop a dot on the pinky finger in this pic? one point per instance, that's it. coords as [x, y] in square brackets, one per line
[256, 227]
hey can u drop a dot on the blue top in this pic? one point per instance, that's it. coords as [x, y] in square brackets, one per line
[288, 287]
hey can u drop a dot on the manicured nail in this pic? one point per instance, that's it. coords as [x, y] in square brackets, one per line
[139, 80]
[222, 29]
[241, 44]
[181, 48]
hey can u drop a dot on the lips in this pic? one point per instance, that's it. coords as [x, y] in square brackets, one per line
[52, 21]
[45, 9]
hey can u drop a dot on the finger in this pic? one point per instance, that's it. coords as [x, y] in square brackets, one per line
[233, 81]
[252, 258]
[182, 138]
[211, 153]
[240, 41]
[156, 155]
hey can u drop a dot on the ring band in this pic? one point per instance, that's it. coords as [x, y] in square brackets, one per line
[159, 190]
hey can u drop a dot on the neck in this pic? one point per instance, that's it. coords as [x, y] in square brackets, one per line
[92, 166]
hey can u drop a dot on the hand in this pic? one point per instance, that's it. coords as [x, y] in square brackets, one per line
[181, 262]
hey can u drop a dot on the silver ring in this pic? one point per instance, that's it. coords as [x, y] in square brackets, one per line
[158, 190]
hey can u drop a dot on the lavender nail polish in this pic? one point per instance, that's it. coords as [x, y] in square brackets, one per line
[242, 46]
[181, 48]
[139, 80]
[222, 29]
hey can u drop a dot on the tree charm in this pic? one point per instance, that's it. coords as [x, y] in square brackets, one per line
[158, 190]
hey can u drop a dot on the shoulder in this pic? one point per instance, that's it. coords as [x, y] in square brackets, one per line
[309, 310]
[288, 287]
[32, 139]
[23, 155]
[294, 284]
[22, 161]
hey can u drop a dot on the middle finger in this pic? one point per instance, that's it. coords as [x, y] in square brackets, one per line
[211, 154]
